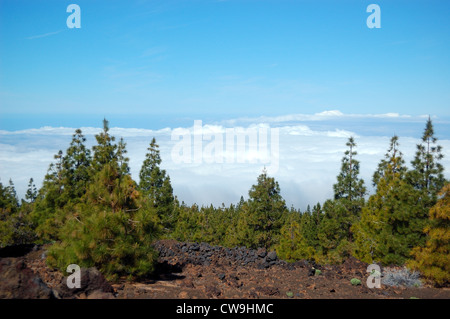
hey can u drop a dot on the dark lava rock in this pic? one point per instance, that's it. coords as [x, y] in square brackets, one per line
[261, 252]
[195, 247]
[272, 256]
[221, 276]
[17, 281]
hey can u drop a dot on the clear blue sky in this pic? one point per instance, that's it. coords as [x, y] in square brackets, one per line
[152, 63]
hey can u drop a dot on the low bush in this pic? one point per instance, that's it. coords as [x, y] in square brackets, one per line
[400, 277]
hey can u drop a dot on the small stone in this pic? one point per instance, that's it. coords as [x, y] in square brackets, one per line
[261, 252]
[272, 256]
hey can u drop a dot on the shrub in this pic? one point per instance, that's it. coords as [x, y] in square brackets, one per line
[433, 260]
[355, 282]
[400, 277]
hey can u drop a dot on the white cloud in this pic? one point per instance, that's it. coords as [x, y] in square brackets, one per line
[321, 116]
[44, 35]
[309, 159]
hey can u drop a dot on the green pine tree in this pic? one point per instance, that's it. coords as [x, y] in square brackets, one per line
[64, 186]
[392, 163]
[157, 188]
[427, 172]
[50, 202]
[122, 160]
[335, 235]
[392, 221]
[349, 186]
[433, 260]
[109, 228]
[31, 194]
[293, 246]
[260, 219]
[75, 168]
[309, 226]
[15, 224]
[105, 151]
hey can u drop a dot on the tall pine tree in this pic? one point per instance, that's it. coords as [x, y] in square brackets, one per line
[260, 218]
[427, 174]
[105, 150]
[156, 187]
[64, 186]
[75, 167]
[15, 224]
[31, 194]
[433, 260]
[392, 221]
[109, 229]
[50, 201]
[335, 233]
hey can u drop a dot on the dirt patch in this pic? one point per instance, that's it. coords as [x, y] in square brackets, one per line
[199, 271]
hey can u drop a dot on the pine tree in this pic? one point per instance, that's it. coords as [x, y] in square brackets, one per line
[293, 246]
[349, 186]
[427, 173]
[15, 225]
[31, 193]
[75, 168]
[9, 202]
[105, 150]
[156, 186]
[109, 229]
[309, 225]
[231, 224]
[334, 232]
[50, 202]
[122, 160]
[8, 208]
[188, 227]
[392, 221]
[433, 260]
[261, 216]
[64, 186]
[393, 163]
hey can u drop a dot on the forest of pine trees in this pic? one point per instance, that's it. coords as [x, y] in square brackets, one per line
[92, 213]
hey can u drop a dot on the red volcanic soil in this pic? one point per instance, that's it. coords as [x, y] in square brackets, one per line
[199, 271]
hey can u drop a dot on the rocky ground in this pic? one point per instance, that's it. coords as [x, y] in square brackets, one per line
[199, 271]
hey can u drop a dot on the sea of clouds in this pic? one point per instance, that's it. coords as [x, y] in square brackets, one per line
[310, 151]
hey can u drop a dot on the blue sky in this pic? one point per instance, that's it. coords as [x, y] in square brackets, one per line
[158, 63]
[313, 69]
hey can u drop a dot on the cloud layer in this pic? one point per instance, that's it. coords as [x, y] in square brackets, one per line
[309, 158]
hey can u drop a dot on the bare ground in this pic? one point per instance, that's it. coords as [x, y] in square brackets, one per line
[185, 273]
